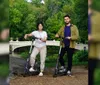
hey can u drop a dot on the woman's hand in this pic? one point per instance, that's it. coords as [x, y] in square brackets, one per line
[43, 40]
[89, 37]
[26, 35]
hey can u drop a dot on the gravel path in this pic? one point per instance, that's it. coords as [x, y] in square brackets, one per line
[80, 77]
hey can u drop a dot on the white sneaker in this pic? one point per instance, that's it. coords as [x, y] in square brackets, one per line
[40, 74]
[31, 69]
[69, 73]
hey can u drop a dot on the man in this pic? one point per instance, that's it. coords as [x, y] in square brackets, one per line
[70, 34]
[94, 40]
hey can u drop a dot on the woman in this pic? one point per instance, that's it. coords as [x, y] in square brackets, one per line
[39, 47]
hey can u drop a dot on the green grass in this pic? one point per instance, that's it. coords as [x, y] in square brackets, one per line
[4, 69]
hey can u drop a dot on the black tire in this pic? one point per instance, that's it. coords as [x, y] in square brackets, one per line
[55, 75]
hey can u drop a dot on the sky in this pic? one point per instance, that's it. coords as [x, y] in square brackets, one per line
[29, 0]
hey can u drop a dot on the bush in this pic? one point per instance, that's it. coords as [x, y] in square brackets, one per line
[24, 55]
[80, 56]
[97, 76]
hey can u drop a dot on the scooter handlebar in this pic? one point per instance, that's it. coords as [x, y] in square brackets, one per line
[33, 37]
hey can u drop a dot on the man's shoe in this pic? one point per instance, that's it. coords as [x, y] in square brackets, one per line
[69, 73]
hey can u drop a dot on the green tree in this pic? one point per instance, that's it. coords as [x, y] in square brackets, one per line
[24, 16]
[81, 11]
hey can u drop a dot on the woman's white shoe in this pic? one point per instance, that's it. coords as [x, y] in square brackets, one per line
[40, 74]
[31, 69]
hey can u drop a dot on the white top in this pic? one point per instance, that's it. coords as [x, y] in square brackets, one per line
[38, 42]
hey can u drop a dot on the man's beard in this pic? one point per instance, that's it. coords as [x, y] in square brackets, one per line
[67, 23]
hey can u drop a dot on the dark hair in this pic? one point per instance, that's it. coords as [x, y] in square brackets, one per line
[38, 25]
[67, 16]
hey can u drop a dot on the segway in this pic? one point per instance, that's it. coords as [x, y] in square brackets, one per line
[27, 65]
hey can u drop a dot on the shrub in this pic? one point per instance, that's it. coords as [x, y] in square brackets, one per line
[80, 56]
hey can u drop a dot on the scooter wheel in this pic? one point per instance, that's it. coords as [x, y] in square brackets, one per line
[25, 75]
[54, 75]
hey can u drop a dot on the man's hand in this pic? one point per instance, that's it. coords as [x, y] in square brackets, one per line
[57, 35]
[68, 38]
[89, 37]
[25, 36]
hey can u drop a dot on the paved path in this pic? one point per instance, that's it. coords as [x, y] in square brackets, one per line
[80, 78]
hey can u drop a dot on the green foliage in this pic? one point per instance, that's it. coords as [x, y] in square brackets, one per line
[96, 5]
[81, 14]
[97, 76]
[80, 56]
[24, 55]
[4, 12]
[83, 35]
[4, 69]
[24, 16]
